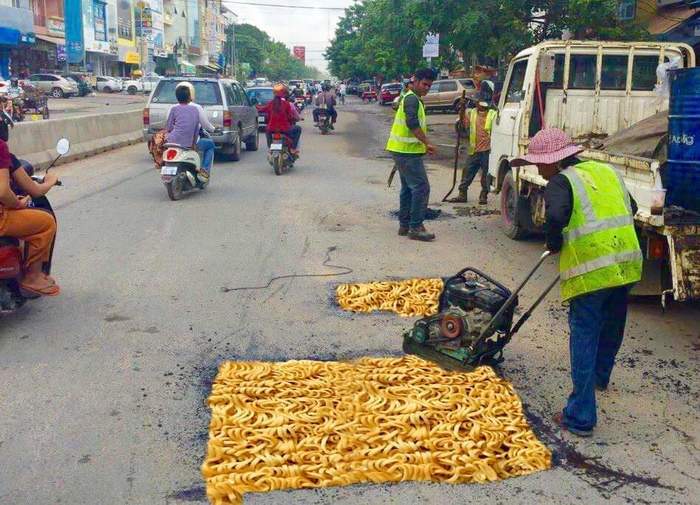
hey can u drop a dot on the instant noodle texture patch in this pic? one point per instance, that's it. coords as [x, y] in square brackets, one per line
[311, 424]
[408, 298]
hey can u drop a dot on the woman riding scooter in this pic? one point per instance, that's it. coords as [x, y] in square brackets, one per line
[35, 227]
[282, 117]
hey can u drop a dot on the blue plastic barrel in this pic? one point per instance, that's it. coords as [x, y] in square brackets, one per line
[682, 174]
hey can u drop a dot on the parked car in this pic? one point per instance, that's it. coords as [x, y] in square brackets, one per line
[54, 84]
[389, 92]
[260, 96]
[226, 104]
[107, 84]
[145, 84]
[445, 94]
[81, 80]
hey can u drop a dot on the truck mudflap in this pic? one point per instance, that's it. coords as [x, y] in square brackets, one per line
[684, 259]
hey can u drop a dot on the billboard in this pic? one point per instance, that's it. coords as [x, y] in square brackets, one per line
[300, 53]
[75, 43]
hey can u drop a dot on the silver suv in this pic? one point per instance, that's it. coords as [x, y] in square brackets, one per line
[225, 103]
[55, 85]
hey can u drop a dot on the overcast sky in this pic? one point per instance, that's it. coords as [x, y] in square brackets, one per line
[301, 26]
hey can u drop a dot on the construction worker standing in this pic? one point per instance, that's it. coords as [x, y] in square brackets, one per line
[589, 221]
[479, 122]
[408, 144]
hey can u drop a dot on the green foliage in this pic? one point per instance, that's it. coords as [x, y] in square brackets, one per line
[268, 57]
[385, 37]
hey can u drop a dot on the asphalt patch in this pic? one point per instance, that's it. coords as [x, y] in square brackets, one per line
[476, 211]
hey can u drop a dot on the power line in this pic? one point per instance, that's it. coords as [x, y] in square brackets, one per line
[304, 7]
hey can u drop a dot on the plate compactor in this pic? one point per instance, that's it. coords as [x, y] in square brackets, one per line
[474, 321]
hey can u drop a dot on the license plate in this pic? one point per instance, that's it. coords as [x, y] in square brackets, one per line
[276, 146]
[261, 119]
[168, 170]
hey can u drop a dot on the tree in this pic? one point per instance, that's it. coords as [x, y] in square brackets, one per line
[268, 57]
[385, 37]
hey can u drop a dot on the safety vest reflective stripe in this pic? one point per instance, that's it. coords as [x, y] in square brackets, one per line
[405, 140]
[600, 225]
[602, 262]
[594, 224]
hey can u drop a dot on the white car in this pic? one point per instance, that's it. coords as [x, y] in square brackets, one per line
[108, 84]
[145, 84]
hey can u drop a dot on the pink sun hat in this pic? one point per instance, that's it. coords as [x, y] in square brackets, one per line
[548, 146]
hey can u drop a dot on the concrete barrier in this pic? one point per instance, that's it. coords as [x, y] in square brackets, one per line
[88, 135]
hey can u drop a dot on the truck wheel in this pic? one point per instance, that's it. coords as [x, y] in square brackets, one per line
[513, 209]
[132, 90]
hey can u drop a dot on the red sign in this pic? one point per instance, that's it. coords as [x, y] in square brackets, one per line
[300, 52]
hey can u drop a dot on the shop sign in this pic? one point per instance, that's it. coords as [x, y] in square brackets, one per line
[56, 26]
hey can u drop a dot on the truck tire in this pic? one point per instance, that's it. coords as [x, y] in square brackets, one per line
[234, 153]
[515, 210]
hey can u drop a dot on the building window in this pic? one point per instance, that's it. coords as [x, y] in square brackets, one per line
[626, 10]
[100, 20]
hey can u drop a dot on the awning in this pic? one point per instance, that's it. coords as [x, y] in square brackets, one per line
[670, 19]
[9, 36]
[53, 40]
[213, 67]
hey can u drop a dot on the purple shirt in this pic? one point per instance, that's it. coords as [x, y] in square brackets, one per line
[183, 125]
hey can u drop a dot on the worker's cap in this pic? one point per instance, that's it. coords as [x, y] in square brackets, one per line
[547, 147]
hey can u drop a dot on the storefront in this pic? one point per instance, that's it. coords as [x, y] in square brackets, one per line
[48, 54]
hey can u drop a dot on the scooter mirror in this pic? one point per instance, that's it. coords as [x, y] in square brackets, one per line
[63, 146]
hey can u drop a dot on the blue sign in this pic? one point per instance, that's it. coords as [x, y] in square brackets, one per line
[75, 43]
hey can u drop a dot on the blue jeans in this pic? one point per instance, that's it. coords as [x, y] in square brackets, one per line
[597, 325]
[206, 147]
[477, 162]
[415, 190]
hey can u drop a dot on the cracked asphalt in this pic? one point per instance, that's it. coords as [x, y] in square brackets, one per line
[103, 389]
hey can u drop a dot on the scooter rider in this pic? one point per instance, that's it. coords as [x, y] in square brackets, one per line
[282, 117]
[184, 122]
[36, 228]
[327, 98]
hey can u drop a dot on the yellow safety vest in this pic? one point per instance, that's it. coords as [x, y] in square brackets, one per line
[600, 248]
[488, 126]
[401, 139]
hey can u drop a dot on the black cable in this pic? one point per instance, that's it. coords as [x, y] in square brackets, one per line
[345, 271]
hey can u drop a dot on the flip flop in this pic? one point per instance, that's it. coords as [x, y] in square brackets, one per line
[52, 290]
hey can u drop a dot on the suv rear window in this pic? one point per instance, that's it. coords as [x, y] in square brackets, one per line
[467, 83]
[205, 92]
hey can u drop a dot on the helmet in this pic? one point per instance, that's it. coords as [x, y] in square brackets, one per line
[189, 86]
[280, 90]
[14, 81]
[326, 87]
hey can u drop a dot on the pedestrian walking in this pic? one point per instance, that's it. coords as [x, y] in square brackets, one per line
[408, 143]
[479, 122]
[589, 222]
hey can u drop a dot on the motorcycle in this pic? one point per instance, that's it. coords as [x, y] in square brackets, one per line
[300, 103]
[324, 120]
[12, 297]
[13, 104]
[180, 172]
[279, 154]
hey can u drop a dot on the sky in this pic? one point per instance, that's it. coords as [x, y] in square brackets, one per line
[301, 26]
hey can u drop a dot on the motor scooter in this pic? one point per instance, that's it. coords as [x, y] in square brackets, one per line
[181, 170]
[324, 119]
[299, 103]
[279, 153]
[12, 296]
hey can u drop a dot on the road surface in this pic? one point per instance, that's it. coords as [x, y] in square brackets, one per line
[98, 103]
[103, 389]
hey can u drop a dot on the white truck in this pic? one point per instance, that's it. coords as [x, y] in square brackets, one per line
[593, 90]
